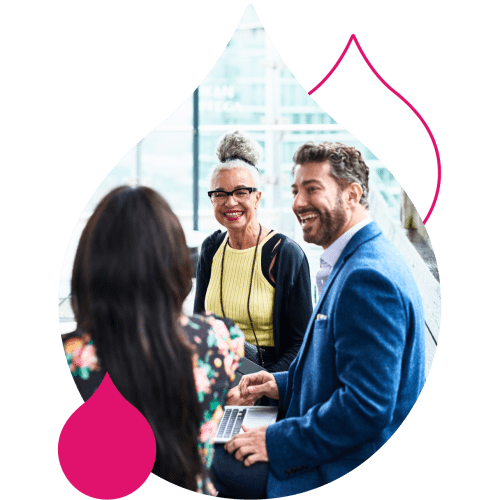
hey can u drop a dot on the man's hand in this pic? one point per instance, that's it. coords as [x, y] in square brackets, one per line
[234, 398]
[251, 388]
[259, 384]
[249, 447]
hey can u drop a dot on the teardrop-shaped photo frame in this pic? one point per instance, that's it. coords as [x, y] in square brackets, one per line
[138, 267]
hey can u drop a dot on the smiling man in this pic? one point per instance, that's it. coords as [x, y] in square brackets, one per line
[330, 199]
[361, 365]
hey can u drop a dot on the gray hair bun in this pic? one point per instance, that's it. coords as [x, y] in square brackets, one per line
[233, 145]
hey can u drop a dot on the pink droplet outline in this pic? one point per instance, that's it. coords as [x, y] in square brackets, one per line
[395, 92]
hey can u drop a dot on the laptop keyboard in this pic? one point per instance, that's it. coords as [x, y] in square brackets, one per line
[230, 423]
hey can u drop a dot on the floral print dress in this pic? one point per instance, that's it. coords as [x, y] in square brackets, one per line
[219, 347]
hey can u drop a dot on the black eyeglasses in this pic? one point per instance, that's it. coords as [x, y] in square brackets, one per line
[241, 194]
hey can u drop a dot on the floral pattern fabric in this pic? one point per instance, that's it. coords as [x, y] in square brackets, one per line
[81, 356]
[219, 347]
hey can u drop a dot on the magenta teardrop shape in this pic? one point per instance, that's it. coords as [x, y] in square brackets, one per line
[107, 448]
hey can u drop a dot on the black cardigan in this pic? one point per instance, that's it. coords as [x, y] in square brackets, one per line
[292, 298]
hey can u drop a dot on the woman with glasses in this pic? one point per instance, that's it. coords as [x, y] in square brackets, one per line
[252, 274]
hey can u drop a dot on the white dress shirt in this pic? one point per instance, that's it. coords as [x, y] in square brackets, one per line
[330, 256]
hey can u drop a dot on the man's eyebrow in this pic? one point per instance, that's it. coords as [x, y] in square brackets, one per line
[305, 183]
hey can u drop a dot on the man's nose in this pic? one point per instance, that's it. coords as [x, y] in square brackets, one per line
[299, 201]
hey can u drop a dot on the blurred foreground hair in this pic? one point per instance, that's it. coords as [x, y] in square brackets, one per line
[131, 274]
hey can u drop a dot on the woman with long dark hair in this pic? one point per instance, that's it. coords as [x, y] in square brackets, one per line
[131, 274]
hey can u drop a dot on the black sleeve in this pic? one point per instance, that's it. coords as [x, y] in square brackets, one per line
[87, 387]
[296, 308]
[203, 270]
[269, 250]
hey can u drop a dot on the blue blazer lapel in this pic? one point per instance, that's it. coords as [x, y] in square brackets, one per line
[365, 234]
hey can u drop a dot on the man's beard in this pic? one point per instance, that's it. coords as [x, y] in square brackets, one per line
[331, 224]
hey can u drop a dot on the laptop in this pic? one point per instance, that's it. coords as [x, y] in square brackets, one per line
[246, 367]
[250, 416]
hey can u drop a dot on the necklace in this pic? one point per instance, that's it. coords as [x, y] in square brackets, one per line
[249, 291]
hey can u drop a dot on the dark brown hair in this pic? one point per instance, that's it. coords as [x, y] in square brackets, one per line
[347, 164]
[131, 274]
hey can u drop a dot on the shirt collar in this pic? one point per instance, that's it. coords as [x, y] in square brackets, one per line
[330, 256]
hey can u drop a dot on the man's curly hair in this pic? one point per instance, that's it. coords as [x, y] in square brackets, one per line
[347, 164]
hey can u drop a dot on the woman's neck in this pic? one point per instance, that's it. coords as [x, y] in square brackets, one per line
[247, 236]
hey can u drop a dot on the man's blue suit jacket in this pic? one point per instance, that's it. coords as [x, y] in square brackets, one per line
[358, 373]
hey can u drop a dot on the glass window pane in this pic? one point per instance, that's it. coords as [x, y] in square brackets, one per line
[166, 160]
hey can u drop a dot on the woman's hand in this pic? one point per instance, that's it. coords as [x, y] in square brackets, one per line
[234, 398]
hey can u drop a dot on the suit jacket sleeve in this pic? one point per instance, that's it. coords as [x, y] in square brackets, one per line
[281, 381]
[367, 326]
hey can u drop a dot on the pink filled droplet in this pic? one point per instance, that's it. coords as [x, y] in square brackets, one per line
[107, 448]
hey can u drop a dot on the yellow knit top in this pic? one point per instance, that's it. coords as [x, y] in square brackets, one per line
[235, 288]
